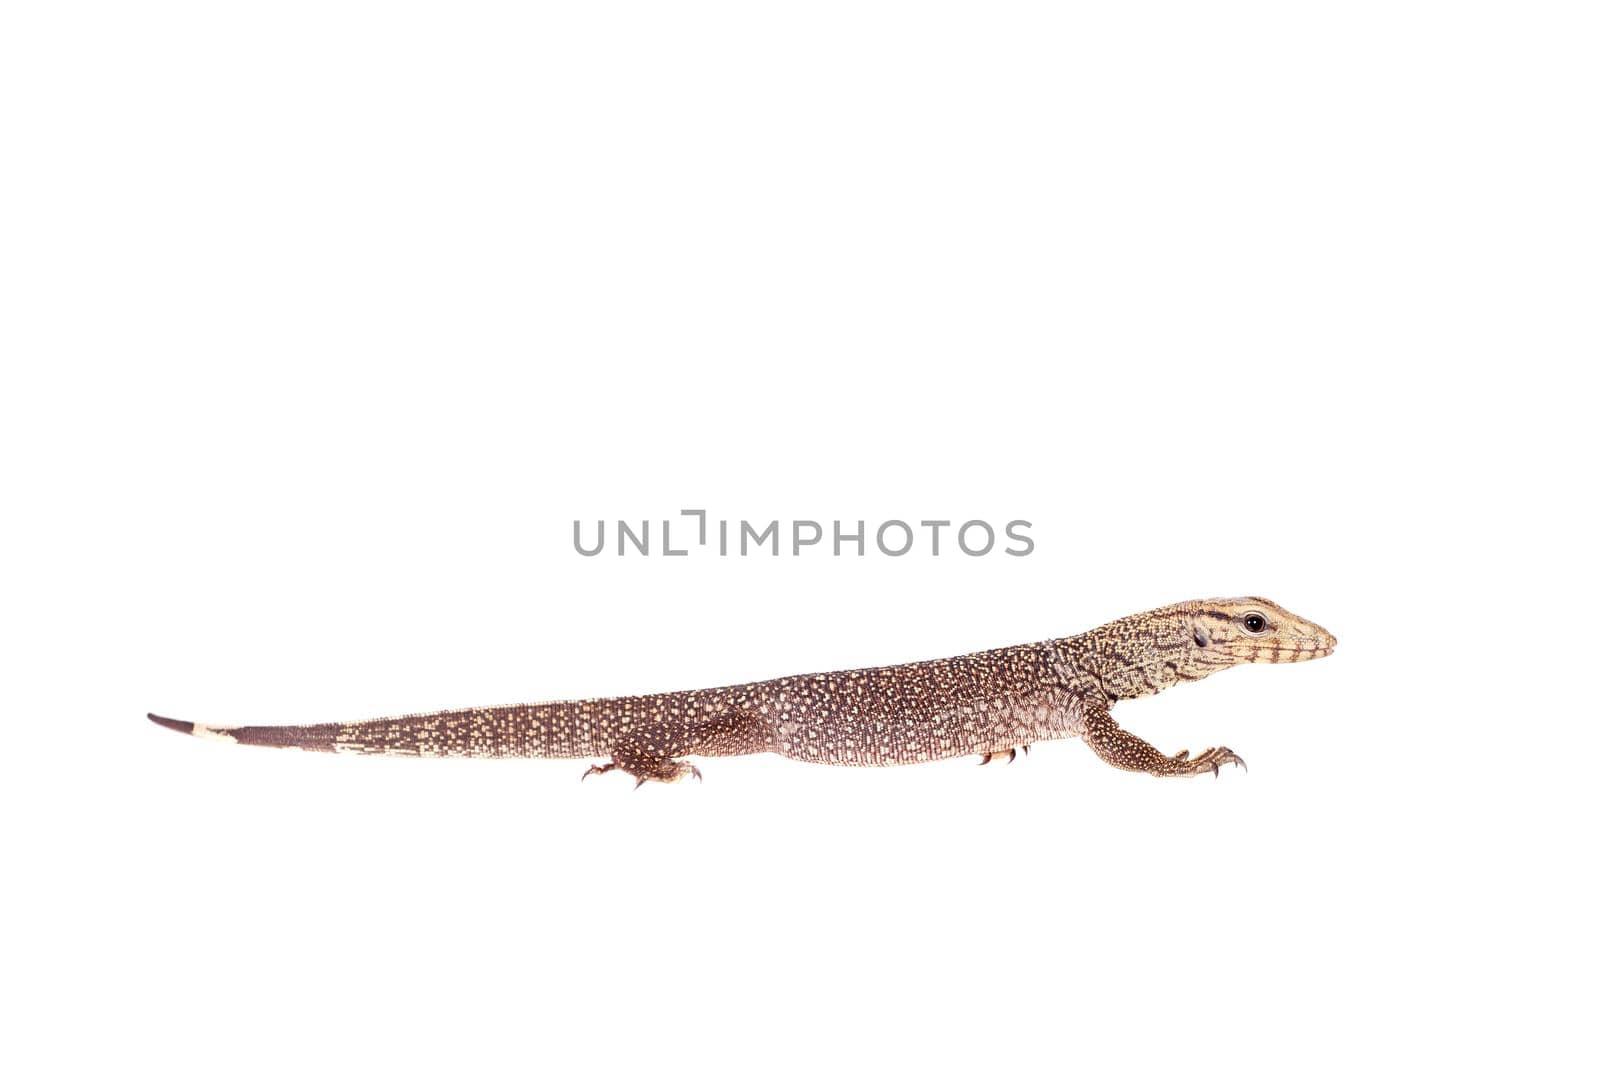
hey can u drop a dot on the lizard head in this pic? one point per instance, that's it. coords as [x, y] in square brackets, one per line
[1147, 653]
[1253, 630]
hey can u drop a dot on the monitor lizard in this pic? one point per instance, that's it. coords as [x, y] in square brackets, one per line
[985, 704]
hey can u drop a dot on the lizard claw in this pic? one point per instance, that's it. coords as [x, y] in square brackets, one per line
[1212, 759]
[597, 768]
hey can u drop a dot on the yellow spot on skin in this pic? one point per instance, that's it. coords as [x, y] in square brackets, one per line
[202, 730]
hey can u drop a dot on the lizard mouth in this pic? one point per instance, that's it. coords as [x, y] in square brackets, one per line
[1293, 650]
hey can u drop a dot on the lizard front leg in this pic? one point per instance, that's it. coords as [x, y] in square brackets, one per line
[1121, 749]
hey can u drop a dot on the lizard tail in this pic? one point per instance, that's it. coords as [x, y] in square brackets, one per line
[322, 737]
[565, 730]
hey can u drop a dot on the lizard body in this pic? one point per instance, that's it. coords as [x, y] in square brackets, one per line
[986, 703]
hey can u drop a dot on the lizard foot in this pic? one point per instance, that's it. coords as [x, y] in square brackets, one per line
[1009, 753]
[668, 771]
[1212, 759]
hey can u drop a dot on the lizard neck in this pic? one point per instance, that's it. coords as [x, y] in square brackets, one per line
[1142, 654]
[1076, 667]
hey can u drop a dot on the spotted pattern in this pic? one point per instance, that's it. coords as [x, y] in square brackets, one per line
[979, 704]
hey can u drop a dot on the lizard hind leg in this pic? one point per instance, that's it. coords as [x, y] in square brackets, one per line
[653, 753]
[646, 767]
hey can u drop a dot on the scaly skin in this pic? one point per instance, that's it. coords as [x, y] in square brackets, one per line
[987, 703]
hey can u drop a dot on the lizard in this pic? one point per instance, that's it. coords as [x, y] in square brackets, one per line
[984, 704]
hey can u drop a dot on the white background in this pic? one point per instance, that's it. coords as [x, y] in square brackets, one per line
[323, 322]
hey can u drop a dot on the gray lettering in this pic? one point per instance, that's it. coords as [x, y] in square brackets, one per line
[577, 543]
[798, 541]
[702, 514]
[859, 537]
[806, 532]
[961, 537]
[745, 530]
[903, 548]
[623, 531]
[1011, 532]
[666, 540]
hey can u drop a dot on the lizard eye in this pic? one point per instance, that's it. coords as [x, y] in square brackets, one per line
[1254, 622]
